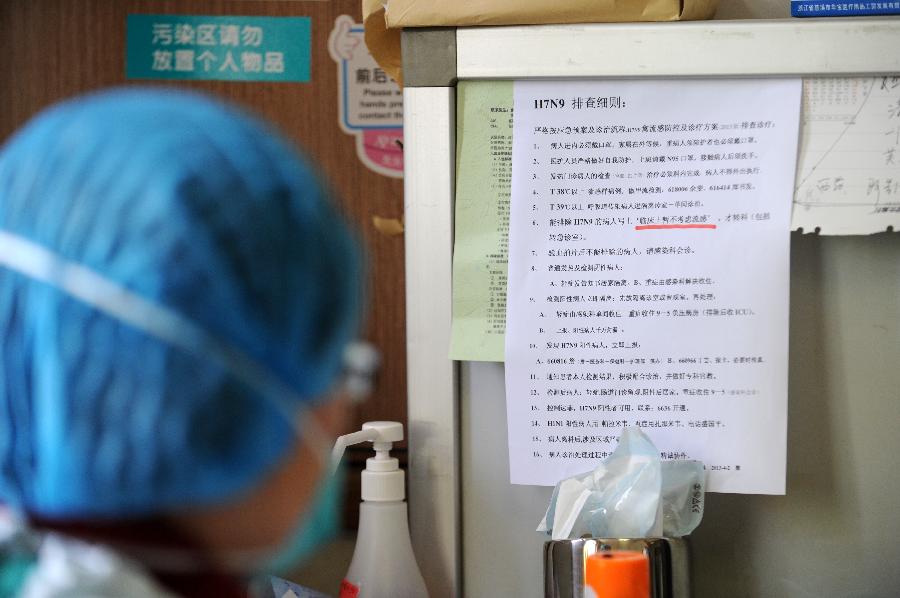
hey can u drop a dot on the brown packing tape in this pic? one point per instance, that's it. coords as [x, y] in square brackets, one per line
[383, 43]
[383, 26]
[388, 226]
[699, 10]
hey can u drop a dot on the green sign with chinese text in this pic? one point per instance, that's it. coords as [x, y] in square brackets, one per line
[227, 48]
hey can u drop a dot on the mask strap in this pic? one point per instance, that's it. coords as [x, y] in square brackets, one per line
[166, 325]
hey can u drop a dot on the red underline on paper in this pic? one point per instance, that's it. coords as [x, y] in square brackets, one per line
[675, 226]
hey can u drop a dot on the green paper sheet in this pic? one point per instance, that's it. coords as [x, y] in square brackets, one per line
[483, 153]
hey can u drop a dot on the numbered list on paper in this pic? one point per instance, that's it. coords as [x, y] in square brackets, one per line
[649, 275]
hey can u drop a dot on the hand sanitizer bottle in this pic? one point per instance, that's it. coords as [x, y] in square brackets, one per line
[383, 564]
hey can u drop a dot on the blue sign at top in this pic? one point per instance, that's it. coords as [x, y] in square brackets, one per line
[225, 48]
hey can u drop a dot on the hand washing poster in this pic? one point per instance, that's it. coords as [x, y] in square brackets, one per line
[370, 104]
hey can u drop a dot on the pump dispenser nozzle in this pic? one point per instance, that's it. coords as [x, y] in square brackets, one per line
[382, 479]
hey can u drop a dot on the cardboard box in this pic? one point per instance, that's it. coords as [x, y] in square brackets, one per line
[384, 20]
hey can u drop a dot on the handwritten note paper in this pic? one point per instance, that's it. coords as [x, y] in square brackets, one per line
[848, 175]
[648, 275]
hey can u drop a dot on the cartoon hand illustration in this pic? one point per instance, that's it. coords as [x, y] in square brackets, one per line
[341, 42]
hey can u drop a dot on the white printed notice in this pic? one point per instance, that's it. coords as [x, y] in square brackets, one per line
[649, 275]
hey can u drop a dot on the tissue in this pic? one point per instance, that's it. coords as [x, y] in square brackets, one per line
[632, 494]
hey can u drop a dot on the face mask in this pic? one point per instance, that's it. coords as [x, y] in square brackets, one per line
[321, 522]
[316, 527]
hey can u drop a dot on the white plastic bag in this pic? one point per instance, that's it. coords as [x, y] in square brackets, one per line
[632, 494]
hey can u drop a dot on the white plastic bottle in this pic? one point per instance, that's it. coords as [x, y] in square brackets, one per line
[383, 564]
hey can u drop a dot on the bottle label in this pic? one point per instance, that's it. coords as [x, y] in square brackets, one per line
[348, 590]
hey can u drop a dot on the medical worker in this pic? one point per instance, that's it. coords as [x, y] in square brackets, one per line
[177, 298]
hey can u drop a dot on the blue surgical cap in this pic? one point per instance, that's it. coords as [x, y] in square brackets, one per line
[201, 210]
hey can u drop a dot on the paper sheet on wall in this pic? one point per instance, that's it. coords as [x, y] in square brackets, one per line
[483, 170]
[649, 275]
[823, 198]
[848, 174]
